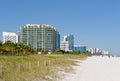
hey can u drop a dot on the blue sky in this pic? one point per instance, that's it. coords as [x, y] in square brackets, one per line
[94, 23]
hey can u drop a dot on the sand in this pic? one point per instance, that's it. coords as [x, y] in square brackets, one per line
[96, 68]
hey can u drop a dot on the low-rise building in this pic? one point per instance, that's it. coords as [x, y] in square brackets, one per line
[80, 48]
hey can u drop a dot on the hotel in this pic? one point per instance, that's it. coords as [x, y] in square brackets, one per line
[40, 37]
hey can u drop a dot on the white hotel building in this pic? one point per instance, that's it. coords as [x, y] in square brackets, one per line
[10, 36]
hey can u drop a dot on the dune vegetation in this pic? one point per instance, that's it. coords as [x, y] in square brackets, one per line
[19, 62]
[28, 68]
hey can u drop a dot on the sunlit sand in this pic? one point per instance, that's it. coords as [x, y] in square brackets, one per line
[96, 68]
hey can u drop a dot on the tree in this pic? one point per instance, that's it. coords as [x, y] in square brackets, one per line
[15, 48]
[8, 47]
[1, 46]
[1, 43]
[22, 48]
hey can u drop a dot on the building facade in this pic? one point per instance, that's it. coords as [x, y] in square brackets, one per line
[67, 43]
[80, 48]
[10, 36]
[40, 37]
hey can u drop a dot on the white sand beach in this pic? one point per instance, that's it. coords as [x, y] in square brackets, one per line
[96, 68]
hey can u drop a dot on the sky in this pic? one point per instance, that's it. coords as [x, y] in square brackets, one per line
[94, 23]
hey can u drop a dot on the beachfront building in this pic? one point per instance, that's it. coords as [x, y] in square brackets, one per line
[10, 36]
[80, 48]
[67, 43]
[40, 37]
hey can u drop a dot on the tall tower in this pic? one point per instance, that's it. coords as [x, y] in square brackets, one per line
[39, 36]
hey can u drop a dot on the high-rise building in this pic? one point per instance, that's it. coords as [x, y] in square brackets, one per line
[67, 43]
[40, 37]
[10, 36]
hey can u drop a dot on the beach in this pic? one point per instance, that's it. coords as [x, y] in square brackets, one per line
[95, 68]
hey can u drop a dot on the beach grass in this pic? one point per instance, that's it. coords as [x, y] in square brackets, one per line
[33, 67]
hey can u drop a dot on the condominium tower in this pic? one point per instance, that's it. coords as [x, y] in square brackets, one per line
[40, 37]
[10, 36]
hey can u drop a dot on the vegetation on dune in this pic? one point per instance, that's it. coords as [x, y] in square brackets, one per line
[19, 62]
[30, 67]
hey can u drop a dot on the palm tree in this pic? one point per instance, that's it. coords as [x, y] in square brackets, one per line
[1, 43]
[22, 48]
[9, 47]
[15, 48]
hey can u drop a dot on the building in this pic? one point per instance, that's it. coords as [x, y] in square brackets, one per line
[40, 37]
[58, 40]
[80, 48]
[64, 45]
[103, 52]
[97, 51]
[67, 43]
[10, 36]
[18, 36]
[90, 50]
[94, 50]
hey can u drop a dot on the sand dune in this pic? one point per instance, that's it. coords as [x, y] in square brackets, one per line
[96, 68]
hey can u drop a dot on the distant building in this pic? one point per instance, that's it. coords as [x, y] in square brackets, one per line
[80, 48]
[97, 51]
[40, 37]
[90, 50]
[10, 36]
[67, 43]
[94, 50]
[104, 52]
